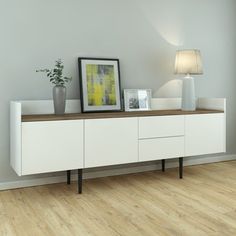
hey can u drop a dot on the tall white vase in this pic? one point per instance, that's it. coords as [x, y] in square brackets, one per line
[188, 94]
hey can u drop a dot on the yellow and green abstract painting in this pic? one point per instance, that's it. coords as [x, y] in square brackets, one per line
[100, 85]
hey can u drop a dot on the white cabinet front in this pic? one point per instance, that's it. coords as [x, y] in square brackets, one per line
[161, 148]
[111, 141]
[204, 134]
[161, 126]
[51, 146]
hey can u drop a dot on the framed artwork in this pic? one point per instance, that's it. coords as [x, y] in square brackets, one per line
[99, 84]
[137, 99]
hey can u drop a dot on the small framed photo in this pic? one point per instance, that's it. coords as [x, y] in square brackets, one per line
[99, 84]
[137, 99]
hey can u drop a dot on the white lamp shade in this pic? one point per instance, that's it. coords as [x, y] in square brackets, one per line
[188, 62]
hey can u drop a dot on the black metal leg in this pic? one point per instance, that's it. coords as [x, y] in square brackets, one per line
[163, 165]
[181, 167]
[68, 176]
[80, 175]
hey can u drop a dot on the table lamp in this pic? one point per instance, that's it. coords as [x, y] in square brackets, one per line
[188, 62]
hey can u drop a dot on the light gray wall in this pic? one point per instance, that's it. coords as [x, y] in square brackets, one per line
[143, 34]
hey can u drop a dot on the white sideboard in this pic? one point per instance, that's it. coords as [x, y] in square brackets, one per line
[43, 143]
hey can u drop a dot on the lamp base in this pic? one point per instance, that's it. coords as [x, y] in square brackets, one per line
[188, 94]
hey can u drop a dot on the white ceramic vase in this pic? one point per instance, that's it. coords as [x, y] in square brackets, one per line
[188, 94]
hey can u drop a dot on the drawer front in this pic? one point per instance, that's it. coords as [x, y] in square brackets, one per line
[52, 146]
[162, 126]
[161, 148]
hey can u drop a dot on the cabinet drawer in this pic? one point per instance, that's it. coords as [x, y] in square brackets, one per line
[161, 148]
[162, 126]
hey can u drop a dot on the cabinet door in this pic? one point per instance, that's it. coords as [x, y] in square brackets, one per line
[204, 134]
[51, 146]
[111, 141]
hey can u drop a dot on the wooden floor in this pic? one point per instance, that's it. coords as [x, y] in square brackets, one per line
[150, 203]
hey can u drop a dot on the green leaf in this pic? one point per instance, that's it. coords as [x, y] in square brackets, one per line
[55, 75]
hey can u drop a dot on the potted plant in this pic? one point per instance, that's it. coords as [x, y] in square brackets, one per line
[59, 90]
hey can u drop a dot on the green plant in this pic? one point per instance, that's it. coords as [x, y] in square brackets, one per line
[56, 75]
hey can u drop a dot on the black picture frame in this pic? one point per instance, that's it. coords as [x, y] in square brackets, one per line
[103, 65]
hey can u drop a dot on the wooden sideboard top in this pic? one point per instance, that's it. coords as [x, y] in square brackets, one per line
[103, 115]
